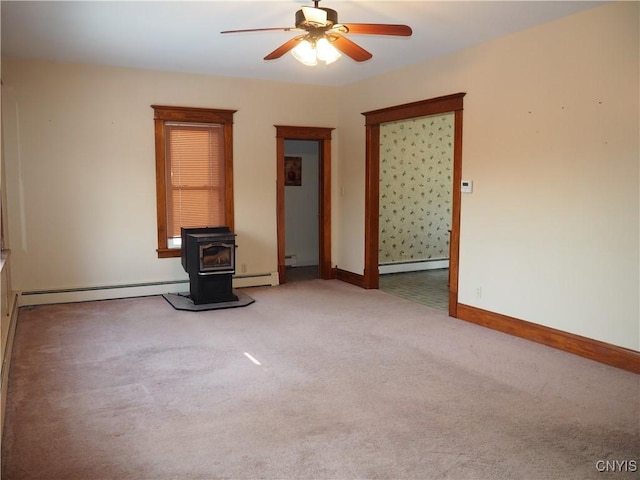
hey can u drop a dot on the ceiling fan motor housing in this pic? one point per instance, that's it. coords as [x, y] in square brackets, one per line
[304, 23]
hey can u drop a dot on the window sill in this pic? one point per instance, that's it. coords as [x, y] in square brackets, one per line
[169, 252]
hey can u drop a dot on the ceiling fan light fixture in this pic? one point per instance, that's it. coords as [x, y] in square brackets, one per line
[327, 52]
[308, 52]
[305, 53]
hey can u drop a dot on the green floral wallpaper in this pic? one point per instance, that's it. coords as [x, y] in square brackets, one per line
[416, 177]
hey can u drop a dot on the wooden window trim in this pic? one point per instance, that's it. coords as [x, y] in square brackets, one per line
[163, 114]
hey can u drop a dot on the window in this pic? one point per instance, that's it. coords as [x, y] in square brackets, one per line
[194, 171]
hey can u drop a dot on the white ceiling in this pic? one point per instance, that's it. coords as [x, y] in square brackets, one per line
[184, 36]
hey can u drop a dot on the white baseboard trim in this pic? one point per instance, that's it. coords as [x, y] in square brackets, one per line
[110, 292]
[400, 267]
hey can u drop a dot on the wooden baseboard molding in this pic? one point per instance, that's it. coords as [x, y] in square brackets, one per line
[602, 352]
[350, 277]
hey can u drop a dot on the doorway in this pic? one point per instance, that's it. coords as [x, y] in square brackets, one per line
[374, 119]
[321, 137]
[301, 209]
[416, 188]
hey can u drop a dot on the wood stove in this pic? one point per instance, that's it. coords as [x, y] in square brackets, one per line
[209, 257]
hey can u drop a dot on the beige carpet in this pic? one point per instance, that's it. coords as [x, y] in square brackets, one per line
[352, 384]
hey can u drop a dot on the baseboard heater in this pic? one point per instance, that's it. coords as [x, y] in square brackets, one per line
[290, 260]
[413, 265]
[108, 292]
[256, 280]
[6, 359]
[102, 287]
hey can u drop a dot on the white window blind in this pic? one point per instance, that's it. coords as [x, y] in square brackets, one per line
[195, 176]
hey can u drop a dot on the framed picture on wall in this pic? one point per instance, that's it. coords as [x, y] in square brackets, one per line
[292, 171]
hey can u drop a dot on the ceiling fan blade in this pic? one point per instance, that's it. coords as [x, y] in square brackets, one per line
[284, 48]
[349, 48]
[286, 29]
[378, 29]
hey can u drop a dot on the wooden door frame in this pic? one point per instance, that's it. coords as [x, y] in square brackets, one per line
[323, 137]
[440, 105]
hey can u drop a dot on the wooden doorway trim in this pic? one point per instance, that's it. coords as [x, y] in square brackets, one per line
[323, 137]
[440, 105]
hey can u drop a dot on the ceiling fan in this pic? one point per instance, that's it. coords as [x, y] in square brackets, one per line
[323, 38]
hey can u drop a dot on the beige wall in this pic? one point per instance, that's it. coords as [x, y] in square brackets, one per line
[550, 234]
[551, 142]
[80, 165]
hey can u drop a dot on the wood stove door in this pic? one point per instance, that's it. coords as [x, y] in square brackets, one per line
[217, 257]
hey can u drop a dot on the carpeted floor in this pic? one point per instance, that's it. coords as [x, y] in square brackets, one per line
[315, 380]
